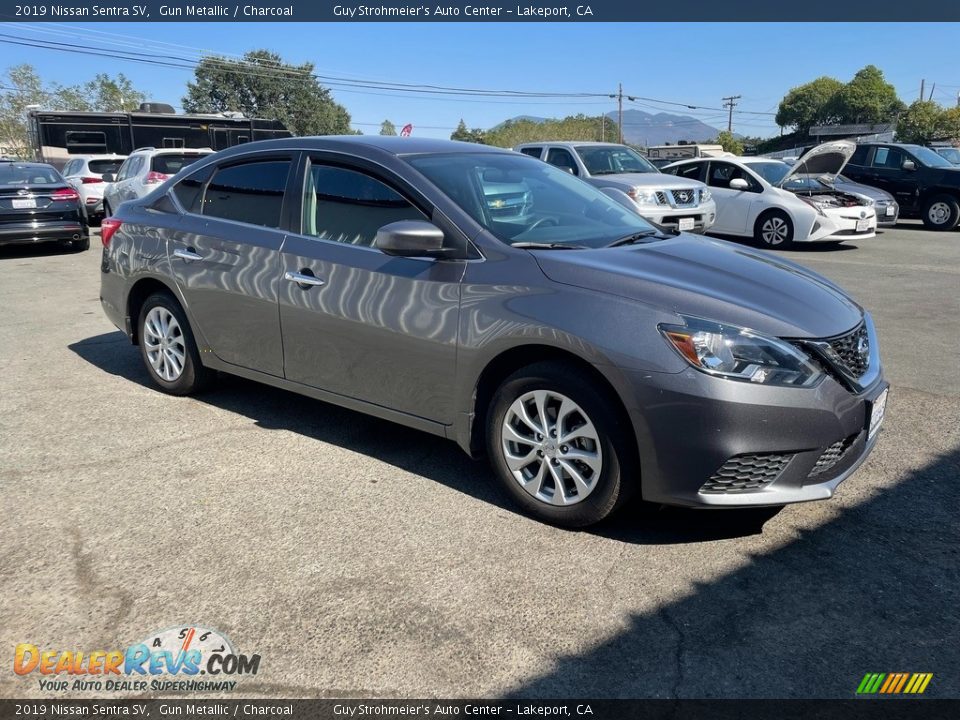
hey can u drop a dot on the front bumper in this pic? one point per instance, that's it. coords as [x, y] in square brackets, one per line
[885, 220]
[703, 215]
[711, 442]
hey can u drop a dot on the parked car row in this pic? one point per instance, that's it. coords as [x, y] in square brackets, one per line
[38, 205]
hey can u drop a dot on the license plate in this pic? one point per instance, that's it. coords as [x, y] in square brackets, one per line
[863, 224]
[24, 203]
[876, 414]
[889, 211]
[686, 224]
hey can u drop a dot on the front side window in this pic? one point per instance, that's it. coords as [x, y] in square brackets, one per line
[721, 173]
[189, 191]
[562, 159]
[349, 207]
[522, 200]
[888, 158]
[250, 192]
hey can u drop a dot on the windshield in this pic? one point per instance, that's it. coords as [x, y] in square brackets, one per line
[523, 200]
[951, 154]
[805, 182]
[29, 175]
[772, 172]
[601, 160]
[928, 157]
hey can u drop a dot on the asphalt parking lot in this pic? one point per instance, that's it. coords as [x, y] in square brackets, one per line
[359, 558]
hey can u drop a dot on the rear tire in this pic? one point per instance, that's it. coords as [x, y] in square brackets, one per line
[941, 212]
[81, 244]
[168, 349]
[774, 230]
[581, 467]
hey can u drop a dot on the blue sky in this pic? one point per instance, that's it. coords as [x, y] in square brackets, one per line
[688, 63]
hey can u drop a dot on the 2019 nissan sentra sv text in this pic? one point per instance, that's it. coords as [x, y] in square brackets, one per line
[589, 355]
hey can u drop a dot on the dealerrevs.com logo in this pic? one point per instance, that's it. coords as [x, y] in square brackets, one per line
[180, 659]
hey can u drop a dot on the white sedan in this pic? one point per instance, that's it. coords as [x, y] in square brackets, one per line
[779, 205]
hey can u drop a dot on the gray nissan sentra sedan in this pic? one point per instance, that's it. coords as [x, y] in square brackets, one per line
[589, 354]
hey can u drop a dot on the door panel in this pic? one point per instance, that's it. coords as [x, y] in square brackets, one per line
[380, 329]
[733, 206]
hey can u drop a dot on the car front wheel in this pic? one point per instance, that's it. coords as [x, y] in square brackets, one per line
[558, 447]
[774, 230]
[941, 213]
[168, 348]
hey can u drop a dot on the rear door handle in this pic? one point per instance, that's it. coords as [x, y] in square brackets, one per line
[302, 279]
[187, 254]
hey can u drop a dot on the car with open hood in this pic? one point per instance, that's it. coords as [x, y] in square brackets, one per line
[587, 353]
[675, 203]
[778, 205]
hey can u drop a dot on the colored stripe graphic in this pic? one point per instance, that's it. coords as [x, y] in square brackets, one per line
[894, 683]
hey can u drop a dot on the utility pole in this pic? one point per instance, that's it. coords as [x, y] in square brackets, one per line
[620, 112]
[730, 103]
[932, 88]
[922, 88]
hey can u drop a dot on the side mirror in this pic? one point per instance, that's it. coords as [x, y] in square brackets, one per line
[410, 238]
[909, 165]
[109, 177]
[739, 184]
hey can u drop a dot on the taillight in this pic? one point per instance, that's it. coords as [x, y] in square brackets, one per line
[108, 226]
[154, 177]
[91, 180]
[64, 194]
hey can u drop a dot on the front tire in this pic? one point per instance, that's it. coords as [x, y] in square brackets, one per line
[774, 230]
[168, 349]
[941, 212]
[559, 447]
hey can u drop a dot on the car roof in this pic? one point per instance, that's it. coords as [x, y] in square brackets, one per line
[109, 156]
[394, 145]
[28, 163]
[572, 143]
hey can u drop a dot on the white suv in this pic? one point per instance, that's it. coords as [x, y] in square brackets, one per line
[85, 174]
[144, 170]
[676, 203]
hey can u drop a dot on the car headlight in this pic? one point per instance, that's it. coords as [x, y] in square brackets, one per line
[645, 197]
[812, 204]
[736, 353]
[705, 195]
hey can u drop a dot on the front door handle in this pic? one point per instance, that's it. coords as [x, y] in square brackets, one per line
[188, 254]
[303, 279]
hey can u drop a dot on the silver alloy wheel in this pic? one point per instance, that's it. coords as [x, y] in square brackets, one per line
[551, 447]
[774, 230]
[939, 213]
[164, 343]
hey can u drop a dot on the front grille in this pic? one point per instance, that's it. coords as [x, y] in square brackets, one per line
[832, 455]
[746, 473]
[661, 197]
[684, 197]
[851, 352]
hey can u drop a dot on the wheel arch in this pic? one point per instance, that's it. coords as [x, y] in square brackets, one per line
[513, 359]
[139, 292]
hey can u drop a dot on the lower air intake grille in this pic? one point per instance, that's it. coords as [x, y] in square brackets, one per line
[831, 456]
[746, 473]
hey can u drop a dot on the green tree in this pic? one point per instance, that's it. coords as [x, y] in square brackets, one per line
[24, 89]
[867, 98]
[730, 144]
[808, 105]
[476, 135]
[573, 127]
[388, 128]
[262, 85]
[102, 94]
[926, 120]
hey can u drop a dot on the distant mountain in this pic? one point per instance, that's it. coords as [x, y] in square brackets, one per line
[643, 128]
[518, 118]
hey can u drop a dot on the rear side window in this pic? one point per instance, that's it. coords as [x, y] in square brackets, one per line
[102, 167]
[691, 171]
[249, 193]
[532, 151]
[172, 164]
[189, 191]
[890, 158]
[859, 156]
[349, 207]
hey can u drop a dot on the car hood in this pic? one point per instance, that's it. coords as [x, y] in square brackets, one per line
[647, 180]
[869, 191]
[712, 279]
[827, 159]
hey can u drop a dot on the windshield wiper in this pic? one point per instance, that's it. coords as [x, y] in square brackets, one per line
[637, 237]
[547, 246]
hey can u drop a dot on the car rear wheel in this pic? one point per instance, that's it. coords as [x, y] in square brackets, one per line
[774, 230]
[81, 244]
[558, 447]
[168, 348]
[941, 213]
